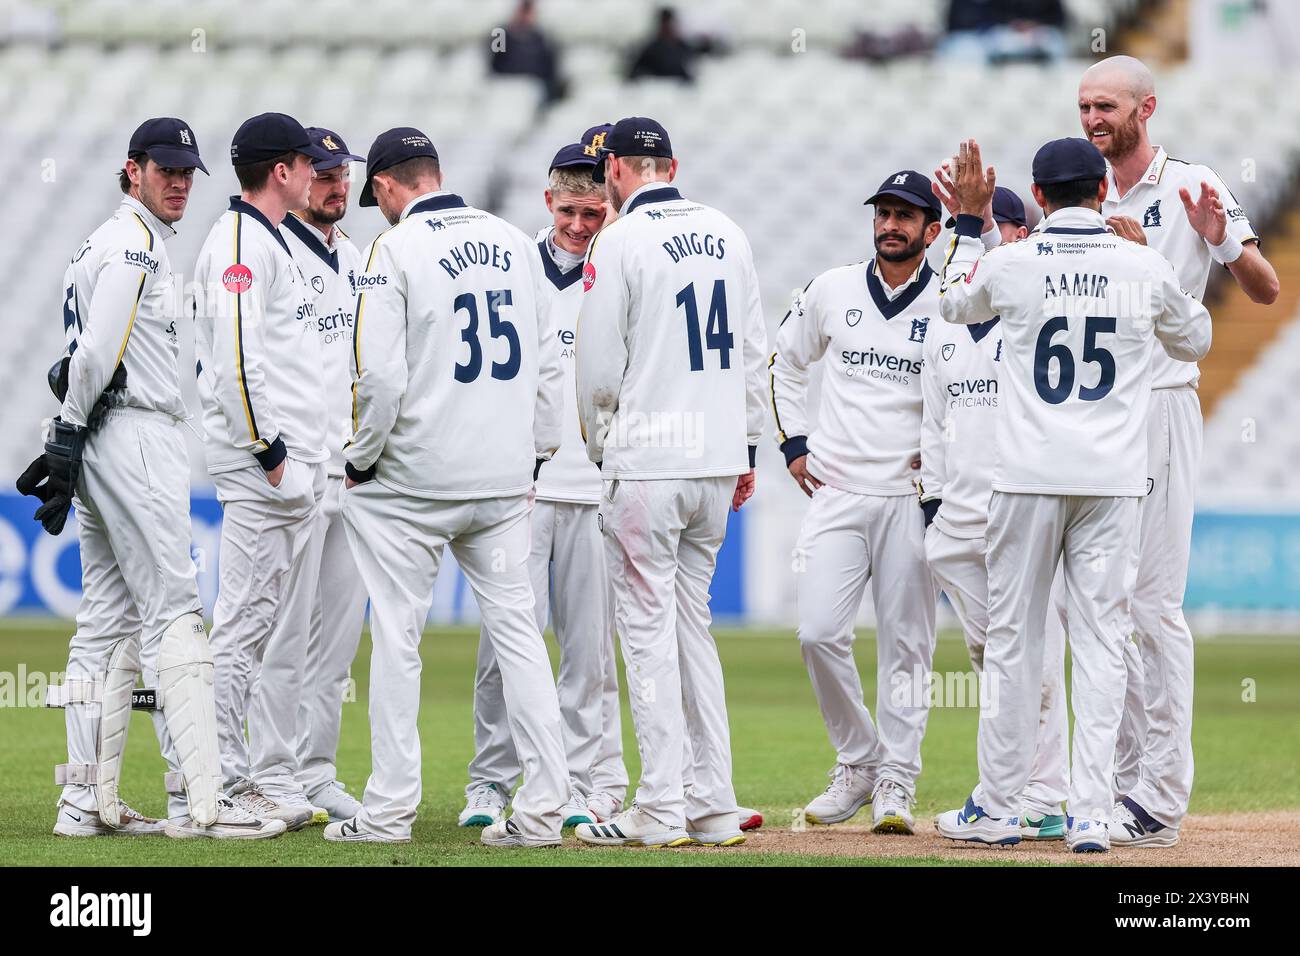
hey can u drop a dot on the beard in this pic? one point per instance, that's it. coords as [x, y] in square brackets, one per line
[326, 216]
[913, 249]
[1124, 138]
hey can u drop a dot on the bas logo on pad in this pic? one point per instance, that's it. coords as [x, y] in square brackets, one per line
[588, 277]
[237, 278]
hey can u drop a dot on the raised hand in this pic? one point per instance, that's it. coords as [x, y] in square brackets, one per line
[1207, 215]
[971, 182]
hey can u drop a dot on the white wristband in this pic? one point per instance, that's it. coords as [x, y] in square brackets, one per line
[1229, 250]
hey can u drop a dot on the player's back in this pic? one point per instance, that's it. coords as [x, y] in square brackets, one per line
[1079, 307]
[463, 284]
[682, 274]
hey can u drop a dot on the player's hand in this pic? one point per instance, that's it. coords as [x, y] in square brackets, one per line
[971, 182]
[802, 478]
[942, 188]
[744, 489]
[276, 475]
[1207, 215]
[1126, 227]
[610, 215]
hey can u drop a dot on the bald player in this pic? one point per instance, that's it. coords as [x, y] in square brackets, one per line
[1187, 213]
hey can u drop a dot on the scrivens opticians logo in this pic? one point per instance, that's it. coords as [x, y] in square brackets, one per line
[879, 365]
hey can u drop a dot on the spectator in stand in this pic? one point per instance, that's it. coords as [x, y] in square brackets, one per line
[667, 53]
[527, 52]
[1005, 31]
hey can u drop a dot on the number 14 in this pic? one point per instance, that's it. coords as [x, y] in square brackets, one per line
[716, 335]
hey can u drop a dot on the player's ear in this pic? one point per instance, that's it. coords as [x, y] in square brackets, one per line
[1102, 190]
[550, 204]
[1039, 199]
[932, 230]
[672, 170]
[1147, 108]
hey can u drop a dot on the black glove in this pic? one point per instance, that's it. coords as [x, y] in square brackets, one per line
[58, 378]
[53, 477]
[931, 508]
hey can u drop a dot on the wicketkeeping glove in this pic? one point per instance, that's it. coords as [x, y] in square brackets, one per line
[58, 379]
[53, 477]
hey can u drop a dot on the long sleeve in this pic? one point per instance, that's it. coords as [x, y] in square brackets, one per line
[123, 279]
[964, 286]
[601, 341]
[799, 344]
[754, 354]
[548, 421]
[379, 372]
[239, 352]
[934, 448]
[1183, 327]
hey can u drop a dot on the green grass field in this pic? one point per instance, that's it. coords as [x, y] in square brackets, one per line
[1245, 753]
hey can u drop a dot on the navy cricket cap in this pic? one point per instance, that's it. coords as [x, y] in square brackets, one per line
[1007, 207]
[585, 152]
[397, 145]
[169, 142]
[632, 136]
[911, 187]
[269, 135]
[333, 144]
[1068, 160]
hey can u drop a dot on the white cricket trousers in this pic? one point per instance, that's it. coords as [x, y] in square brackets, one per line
[846, 539]
[268, 572]
[1161, 707]
[337, 617]
[960, 571]
[566, 564]
[661, 546]
[137, 576]
[1096, 541]
[398, 540]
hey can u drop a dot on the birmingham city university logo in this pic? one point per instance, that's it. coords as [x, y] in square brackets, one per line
[654, 214]
[918, 330]
[186, 139]
[437, 225]
[853, 316]
[947, 351]
[1151, 217]
[1044, 248]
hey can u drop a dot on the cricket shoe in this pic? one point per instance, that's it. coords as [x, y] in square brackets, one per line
[507, 833]
[576, 810]
[484, 806]
[749, 819]
[604, 805]
[232, 823]
[336, 802]
[351, 831]
[849, 792]
[633, 827]
[295, 798]
[890, 810]
[263, 807]
[1042, 826]
[1086, 836]
[75, 822]
[1132, 826]
[973, 825]
[717, 830]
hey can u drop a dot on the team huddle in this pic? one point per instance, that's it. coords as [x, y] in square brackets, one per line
[574, 414]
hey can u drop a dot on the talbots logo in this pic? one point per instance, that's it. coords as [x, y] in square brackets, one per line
[588, 277]
[237, 278]
[138, 257]
[363, 283]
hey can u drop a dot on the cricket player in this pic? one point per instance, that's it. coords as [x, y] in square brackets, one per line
[566, 563]
[959, 383]
[457, 392]
[859, 466]
[331, 262]
[262, 385]
[1077, 307]
[670, 394]
[1188, 214]
[116, 452]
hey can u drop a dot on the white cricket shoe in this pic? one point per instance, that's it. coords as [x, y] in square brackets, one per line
[1087, 836]
[891, 809]
[483, 807]
[721, 829]
[1131, 826]
[749, 819]
[849, 792]
[350, 831]
[336, 802]
[633, 827]
[75, 822]
[604, 805]
[263, 807]
[507, 833]
[576, 811]
[972, 824]
[232, 823]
